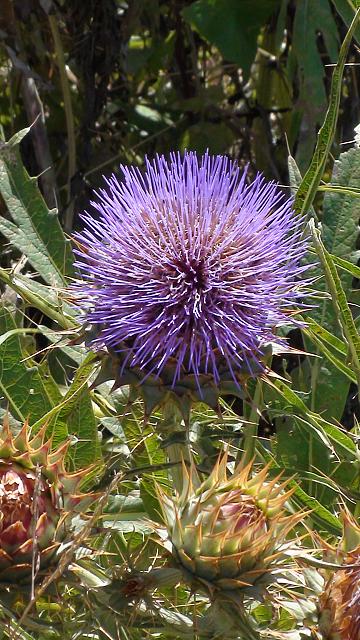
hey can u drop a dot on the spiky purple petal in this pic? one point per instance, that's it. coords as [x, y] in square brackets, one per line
[189, 261]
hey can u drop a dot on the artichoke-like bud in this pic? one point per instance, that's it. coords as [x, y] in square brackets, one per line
[340, 601]
[229, 532]
[37, 499]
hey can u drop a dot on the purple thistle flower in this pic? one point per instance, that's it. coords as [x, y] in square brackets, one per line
[189, 263]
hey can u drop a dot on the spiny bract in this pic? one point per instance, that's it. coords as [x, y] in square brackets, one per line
[339, 607]
[229, 532]
[37, 500]
[187, 270]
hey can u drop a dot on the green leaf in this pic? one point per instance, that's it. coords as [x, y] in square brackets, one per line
[310, 19]
[330, 379]
[60, 341]
[10, 628]
[146, 452]
[240, 26]
[46, 299]
[26, 388]
[90, 576]
[339, 300]
[339, 367]
[322, 517]
[295, 448]
[309, 185]
[340, 189]
[325, 335]
[29, 392]
[295, 179]
[35, 230]
[81, 422]
[150, 499]
[74, 415]
[341, 211]
[345, 265]
[329, 434]
[346, 9]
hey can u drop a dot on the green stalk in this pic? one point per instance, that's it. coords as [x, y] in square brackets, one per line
[242, 622]
[247, 450]
[176, 442]
[69, 117]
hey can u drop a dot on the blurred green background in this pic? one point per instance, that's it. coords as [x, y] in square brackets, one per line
[114, 80]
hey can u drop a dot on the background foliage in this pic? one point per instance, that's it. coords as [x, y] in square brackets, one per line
[119, 80]
[108, 82]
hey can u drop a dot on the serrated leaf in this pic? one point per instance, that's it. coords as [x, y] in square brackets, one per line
[34, 230]
[29, 392]
[46, 299]
[340, 304]
[341, 211]
[74, 415]
[310, 19]
[339, 367]
[322, 517]
[309, 185]
[330, 378]
[326, 336]
[22, 384]
[347, 266]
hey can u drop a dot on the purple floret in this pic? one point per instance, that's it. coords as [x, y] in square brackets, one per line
[190, 262]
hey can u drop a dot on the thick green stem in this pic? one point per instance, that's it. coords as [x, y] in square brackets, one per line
[247, 450]
[242, 622]
[176, 442]
[176, 453]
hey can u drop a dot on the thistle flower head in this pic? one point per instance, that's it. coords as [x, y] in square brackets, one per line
[229, 532]
[340, 606]
[37, 498]
[189, 264]
[340, 600]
